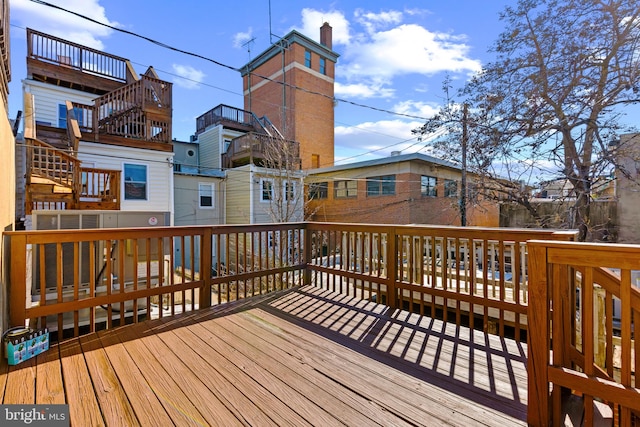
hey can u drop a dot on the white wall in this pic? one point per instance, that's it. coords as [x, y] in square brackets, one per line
[47, 97]
[159, 172]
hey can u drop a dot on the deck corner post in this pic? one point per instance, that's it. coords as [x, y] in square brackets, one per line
[538, 337]
[17, 286]
[206, 257]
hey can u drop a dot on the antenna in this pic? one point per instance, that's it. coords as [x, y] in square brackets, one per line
[270, 32]
[248, 45]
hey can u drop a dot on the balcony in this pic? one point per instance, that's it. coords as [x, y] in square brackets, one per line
[64, 63]
[262, 150]
[326, 324]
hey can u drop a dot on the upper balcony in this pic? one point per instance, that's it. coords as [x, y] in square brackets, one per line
[262, 150]
[326, 324]
[64, 63]
[229, 117]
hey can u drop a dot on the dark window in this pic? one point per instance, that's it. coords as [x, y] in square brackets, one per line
[266, 190]
[343, 189]
[135, 182]
[450, 188]
[428, 186]
[307, 58]
[323, 66]
[318, 190]
[381, 185]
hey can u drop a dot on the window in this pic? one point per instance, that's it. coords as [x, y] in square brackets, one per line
[315, 161]
[323, 66]
[62, 116]
[289, 191]
[343, 189]
[318, 190]
[266, 190]
[428, 186]
[450, 188]
[381, 185]
[307, 58]
[205, 193]
[135, 182]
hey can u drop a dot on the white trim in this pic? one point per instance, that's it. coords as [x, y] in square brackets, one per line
[146, 184]
[272, 181]
[213, 195]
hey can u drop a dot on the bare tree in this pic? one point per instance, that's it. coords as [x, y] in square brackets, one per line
[550, 104]
[282, 161]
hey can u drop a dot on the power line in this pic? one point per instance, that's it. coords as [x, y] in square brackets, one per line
[205, 58]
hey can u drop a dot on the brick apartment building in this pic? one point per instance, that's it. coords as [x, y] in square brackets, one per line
[402, 189]
[292, 83]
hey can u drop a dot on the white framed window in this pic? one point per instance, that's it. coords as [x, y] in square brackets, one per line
[135, 181]
[266, 190]
[205, 195]
[289, 191]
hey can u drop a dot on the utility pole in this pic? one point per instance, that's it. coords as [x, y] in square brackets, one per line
[463, 179]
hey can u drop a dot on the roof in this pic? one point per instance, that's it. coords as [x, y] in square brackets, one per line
[386, 161]
[291, 38]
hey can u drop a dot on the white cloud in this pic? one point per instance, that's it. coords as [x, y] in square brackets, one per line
[416, 108]
[377, 139]
[406, 49]
[378, 48]
[361, 90]
[63, 24]
[241, 38]
[189, 76]
[312, 20]
[372, 22]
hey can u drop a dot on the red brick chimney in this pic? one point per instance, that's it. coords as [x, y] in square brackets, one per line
[325, 35]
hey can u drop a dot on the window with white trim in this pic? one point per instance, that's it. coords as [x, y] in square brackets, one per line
[205, 195]
[135, 181]
[266, 190]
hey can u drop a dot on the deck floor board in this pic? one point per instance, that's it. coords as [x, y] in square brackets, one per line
[301, 357]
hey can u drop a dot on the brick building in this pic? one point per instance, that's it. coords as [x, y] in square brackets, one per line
[292, 83]
[402, 189]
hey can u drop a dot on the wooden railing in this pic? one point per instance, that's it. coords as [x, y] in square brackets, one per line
[81, 280]
[470, 272]
[224, 113]
[141, 109]
[51, 163]
[61, 52]
[577, 344]
[100, 188]
[254, 146]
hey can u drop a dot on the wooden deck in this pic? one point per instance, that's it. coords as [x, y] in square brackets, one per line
[303, 357]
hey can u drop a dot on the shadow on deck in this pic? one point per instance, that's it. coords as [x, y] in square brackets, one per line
[303, 357]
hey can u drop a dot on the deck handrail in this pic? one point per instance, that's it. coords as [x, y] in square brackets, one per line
[401, 266]
[95, 275]
[101, 185]
[567, 281]
[468, 271]
[48, 48]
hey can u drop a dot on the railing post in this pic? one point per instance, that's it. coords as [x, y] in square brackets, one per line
[17, 286]
[392, 265]
[206, 254]
[306, 253]
[538, 337]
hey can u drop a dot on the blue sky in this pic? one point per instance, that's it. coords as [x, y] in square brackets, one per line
[393, 55]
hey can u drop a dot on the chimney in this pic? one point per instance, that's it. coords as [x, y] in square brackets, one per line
[325, 35]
